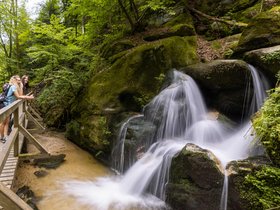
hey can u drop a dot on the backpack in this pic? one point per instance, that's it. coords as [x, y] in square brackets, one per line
[3, 95]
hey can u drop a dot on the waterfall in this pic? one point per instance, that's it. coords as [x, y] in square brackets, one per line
[179, 116]
[118, 159]
[260, 85]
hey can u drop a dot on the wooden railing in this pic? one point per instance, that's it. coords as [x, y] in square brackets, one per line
[21, 112]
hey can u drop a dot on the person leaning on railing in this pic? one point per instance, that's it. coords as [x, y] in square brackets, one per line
[14, 93]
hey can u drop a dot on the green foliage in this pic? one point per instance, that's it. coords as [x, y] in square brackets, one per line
[262, 188]
[267, 125]
[72, 130]
[102, 126]
[51, 7]
[158, 5]
[62, 65]
[14, 28]
[272, 57]
[95, 20]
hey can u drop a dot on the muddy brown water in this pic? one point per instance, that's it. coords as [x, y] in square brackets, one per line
[78, 165]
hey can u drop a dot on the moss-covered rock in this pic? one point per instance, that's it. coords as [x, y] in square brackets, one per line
[116, 47]
[129, 84]
[223, 83]
[263, 31]
[177, 30]
[267, 59]
[134, 76]
[195, 181]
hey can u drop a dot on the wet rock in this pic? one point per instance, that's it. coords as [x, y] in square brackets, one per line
[178, 30]
[196, 181]
[267, 59]
[52, 161]
[28, 196]
[263, 31]
[41, 173]
[223, 83]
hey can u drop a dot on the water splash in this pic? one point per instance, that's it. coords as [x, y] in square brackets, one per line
[180, 117]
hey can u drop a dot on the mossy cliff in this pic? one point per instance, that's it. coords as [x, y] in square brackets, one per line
[127, 86]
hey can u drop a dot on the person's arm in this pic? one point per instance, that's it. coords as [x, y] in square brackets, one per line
[18, 96]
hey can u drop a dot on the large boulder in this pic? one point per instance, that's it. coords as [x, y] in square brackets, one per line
[195, 181]
[263, 31]
[223, 83]
[127, 86]
[267, 59]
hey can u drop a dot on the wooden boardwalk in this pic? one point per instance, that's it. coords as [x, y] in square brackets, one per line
[10, 151]
[8, 173]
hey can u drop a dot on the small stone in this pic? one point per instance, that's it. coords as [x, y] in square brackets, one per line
[41, 173]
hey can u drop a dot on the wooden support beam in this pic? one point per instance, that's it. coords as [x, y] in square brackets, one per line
[10, 201]
[33, 119]
[28, 156]
[32, 139]
[39, 118]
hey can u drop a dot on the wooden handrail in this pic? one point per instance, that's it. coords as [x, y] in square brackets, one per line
[8, 110]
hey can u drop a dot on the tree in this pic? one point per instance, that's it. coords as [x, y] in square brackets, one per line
[60, 64]
[137, 14]
[49, 8]
[12, 20]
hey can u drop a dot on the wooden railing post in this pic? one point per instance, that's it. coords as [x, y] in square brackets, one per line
[16, 125]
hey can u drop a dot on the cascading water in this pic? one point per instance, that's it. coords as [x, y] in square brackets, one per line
[118, 160]
[180, 116]
[260, 85]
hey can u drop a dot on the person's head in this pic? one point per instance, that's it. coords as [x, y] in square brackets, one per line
[24, 79]
[15, 80]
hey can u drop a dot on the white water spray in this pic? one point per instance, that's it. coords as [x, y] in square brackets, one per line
[180, 116]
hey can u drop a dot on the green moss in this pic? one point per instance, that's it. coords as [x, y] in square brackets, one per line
[271, 58]
[136, 72]
[216, 45]
[262, 188]
[180, 19]
[263, 31]
[267, 125]
[244, 15]
[127, 85]
[183, 30]
[72, 130]
[97, 132]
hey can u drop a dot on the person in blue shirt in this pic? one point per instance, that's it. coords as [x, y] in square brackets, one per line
[14, 93]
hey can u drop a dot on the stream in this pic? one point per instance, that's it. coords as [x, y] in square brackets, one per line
[78, 165]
